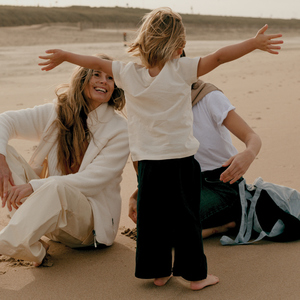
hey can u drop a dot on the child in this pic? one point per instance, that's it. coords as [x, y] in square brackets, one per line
[160, 124]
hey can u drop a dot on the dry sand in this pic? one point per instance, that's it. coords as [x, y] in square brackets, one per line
[266, 91]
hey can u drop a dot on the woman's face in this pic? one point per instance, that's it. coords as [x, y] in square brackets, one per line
[99, 89]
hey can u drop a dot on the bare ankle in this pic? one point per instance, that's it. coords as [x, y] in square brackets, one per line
[162, 280]
[46, 246]
[200, 284]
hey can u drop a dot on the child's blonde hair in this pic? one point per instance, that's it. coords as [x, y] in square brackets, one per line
[160, 35]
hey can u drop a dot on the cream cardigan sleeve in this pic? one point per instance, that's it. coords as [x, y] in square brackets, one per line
[27, 124]
[107, 155]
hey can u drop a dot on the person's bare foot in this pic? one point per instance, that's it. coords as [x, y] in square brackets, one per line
[200, 284]
[46, 246]
[225, 228]
[161, 281]
[219, 229]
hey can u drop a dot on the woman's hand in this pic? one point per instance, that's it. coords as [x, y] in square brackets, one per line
[133, 206]
[266, 42]
[238, 165]
[16, 194]
[55, 58]
[5, 178]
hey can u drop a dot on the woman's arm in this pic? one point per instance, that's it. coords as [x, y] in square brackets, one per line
[57, 56]
[133, 206]
[239, 164]
[16, 194]
[27, 124]
[5, 179]
[226, 54]
[104, 168]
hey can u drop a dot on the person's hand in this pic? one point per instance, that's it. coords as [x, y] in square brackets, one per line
[5, 179]
[16, 194]
[238, 165]
[133, 207]
[55, 58]
[267, 42]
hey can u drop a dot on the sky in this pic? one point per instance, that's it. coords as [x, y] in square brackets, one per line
[283, 9]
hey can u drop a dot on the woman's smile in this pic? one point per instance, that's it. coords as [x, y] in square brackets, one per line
[99, 89]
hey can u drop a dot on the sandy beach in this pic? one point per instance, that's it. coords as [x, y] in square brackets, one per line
[264, 88]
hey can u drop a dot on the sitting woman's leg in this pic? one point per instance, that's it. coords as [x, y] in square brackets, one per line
[21, 171]
[219, 229]
[53, 208]
[220, 208]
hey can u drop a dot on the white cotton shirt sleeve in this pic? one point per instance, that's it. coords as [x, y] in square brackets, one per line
[215, 140]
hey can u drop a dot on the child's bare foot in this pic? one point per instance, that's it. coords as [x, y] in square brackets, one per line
[161, 281]
[200, 284]
[46, 246]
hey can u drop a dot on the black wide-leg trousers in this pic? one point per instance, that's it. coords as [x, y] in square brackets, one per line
[168, 217]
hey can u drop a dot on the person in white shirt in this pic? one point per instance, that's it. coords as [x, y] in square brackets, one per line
[70, 189]
[160, 126]
[222, 166]
[225, 194]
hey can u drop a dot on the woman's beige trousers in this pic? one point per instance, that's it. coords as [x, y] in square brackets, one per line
[56, 210]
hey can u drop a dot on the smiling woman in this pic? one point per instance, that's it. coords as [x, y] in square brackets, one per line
[99, 89]
[71, 186]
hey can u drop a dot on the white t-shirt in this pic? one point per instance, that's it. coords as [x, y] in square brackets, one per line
[160, 118]
[215, 140]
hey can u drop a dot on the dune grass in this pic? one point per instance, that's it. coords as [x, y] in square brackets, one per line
[118, 17]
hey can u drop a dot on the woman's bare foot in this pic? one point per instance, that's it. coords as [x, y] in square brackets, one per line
[219, 229]
[46, 246]
[161, 281]
[200, 284]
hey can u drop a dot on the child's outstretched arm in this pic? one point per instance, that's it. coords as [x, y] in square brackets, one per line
[56, 56]
[261, 41]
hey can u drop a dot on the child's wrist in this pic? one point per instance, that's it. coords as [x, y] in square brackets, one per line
[254, 43]
[66, 56]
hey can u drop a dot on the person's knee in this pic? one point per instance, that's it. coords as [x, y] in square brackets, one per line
[54, 184]
[55, 187]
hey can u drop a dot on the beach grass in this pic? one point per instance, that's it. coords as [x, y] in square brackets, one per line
[121, 17]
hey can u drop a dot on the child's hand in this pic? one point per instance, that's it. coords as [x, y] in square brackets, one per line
[53, 60]
[266, 42]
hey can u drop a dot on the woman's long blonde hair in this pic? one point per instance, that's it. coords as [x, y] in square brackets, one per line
[72, 113]
[160, 35]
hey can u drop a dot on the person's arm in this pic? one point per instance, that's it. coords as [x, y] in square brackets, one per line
[133, 206]
[104, 168]
[132, 213]
[226, 54]
[239, 164]
[16, 194]
[56, 56]
[5, 179]
[135, 166]
[25, 124]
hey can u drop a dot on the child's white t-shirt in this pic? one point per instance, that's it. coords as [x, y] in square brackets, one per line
[215, 140]
[159, 109]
